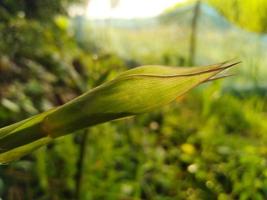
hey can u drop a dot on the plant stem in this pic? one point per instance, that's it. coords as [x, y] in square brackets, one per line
[80, 164]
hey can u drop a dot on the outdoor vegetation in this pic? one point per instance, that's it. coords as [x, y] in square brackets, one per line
[210, 143]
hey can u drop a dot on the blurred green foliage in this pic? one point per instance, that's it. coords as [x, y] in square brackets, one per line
[246, 13]
[210, 144]
[162, 156]
[44, 10]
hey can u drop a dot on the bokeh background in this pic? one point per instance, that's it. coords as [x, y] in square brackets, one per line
[209, 144]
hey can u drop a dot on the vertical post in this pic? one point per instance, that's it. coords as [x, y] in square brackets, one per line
[193, 36]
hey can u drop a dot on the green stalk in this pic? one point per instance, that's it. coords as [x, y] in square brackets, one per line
[80, 164]
[133, 92]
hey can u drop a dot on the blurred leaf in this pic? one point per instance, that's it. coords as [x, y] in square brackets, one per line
[248, 14]
[10, 105]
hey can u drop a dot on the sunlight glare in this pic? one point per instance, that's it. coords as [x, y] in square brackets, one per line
[101, 9]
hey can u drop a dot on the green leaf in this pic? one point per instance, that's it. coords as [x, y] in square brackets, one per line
[135, 91]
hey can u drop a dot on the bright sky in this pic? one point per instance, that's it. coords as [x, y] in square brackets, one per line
[99, 9]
